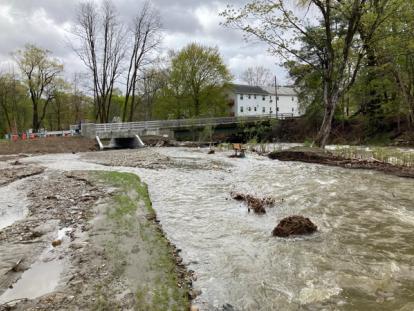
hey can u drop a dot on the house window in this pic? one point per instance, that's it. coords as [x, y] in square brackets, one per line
[270, 98]
[264, 110]
[249, 109]
[250, 96]
[293, 109]
[293, 99]
[241, 97]
[241, 109]
[271, 101]
[264, 97]
[255, 108]
[277, 109]
[254, 96]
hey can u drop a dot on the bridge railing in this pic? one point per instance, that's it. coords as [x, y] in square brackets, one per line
[148, 125]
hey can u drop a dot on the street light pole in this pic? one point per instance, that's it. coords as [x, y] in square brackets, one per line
[276, 96]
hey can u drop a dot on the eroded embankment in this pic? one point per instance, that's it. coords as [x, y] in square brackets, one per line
[110, 252]
[315, 155]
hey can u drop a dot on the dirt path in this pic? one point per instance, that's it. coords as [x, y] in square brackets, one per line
[109, 251]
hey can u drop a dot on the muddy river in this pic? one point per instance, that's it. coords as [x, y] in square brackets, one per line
[362, 257]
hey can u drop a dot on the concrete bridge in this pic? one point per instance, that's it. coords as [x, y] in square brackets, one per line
[128, 134]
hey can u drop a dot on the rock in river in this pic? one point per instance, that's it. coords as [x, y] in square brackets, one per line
[294, 225]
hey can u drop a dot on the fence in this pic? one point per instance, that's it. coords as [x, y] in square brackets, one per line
[181, 123]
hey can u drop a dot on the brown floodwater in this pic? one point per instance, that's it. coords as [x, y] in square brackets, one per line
[362, 258]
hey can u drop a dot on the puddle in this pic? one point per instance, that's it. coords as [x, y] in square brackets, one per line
[41, 278]
[33, 282]
[13, 203]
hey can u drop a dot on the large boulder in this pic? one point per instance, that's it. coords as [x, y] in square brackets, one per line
[294, 225]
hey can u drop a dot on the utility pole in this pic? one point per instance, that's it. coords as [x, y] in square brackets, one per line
[276, 96]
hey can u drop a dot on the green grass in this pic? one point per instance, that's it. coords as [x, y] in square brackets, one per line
[161, 292]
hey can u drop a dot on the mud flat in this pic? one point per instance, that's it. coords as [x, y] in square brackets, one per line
[319, 156]
[90, 241]
[154, 158]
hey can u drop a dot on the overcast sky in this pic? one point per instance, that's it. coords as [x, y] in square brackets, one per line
[47, 23]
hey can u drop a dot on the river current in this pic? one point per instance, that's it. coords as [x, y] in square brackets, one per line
[362, 258]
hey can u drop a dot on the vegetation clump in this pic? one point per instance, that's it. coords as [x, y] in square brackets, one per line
[294, 225]
[256, 204]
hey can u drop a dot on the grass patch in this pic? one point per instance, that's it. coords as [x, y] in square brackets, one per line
[156, 289]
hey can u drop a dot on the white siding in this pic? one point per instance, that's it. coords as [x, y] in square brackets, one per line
[261, 105]
[288, 104]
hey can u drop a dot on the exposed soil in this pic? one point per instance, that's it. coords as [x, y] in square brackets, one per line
[315, 155]
[258, 205]
[113, 250]
[48, 145]
[56, 201]
[150, 158]
[10, 172]
[294, 225]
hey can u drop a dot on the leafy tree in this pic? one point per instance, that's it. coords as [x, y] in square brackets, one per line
[327, 44]
[198, 79]
[14, 108]
[40, 72]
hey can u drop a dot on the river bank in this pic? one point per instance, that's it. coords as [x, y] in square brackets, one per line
[89, 240]
[325, 157]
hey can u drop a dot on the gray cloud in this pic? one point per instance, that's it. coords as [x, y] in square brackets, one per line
[47, 23]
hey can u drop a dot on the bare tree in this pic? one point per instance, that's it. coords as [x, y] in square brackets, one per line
[40, 72]
[101, 48]
[257, 76]
[145, 33]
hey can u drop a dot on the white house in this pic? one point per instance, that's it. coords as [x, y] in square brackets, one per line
[248, 100]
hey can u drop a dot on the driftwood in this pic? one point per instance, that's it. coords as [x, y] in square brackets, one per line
[256, 204]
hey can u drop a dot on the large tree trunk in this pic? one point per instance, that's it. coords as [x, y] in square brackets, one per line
[330, 101]
[35, 123]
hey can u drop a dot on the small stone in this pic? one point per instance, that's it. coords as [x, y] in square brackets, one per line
[56, 243]
[228, 307]
[194, 308]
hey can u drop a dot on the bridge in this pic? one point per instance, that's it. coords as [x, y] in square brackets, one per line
[129, 133]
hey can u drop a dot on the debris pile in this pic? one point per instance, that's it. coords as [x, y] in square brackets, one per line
[294, 225]
[18, 171]
[256, 204]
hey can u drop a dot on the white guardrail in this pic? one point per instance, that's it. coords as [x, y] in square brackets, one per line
[166, 124]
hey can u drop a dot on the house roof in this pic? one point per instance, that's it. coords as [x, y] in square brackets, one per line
[282, 90]
[247, 89]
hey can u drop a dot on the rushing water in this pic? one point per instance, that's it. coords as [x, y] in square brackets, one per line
[362, 258]
[13, 203]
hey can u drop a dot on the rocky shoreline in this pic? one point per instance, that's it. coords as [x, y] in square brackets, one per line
[104, 235]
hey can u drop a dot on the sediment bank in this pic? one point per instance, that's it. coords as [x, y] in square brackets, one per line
[319, 156]
[107, 242]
